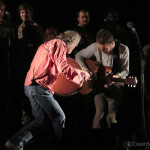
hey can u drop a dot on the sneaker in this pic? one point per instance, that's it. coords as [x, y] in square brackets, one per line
[10, 146]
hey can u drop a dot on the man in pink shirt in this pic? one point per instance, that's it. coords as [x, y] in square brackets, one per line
[48, 62]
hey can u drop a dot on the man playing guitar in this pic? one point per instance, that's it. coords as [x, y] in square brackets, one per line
[107, 52]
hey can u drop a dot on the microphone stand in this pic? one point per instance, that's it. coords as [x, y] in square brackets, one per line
[142, 61]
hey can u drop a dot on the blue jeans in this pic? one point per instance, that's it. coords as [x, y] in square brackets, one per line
[44, 108]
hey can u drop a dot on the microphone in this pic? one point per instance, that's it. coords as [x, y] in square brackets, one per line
[7, 13]
[8, 16]
[130, 25]
[105, 19]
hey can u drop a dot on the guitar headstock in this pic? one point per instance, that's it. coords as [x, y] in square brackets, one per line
[131, 81]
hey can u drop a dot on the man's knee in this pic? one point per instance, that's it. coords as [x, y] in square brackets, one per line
[99, 114]
[99, 101]
[112, 117]
[99, 96]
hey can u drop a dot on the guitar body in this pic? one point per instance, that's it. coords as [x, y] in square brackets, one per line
[65, 87]
[101, 72]
[86, 89]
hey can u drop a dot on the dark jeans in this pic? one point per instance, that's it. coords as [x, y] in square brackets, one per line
[43, 106]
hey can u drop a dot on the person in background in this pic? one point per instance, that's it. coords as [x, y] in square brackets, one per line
[85, 29]
[50, 33]
[111, 22]
[48, 62]
[30, 37]
[87, 32]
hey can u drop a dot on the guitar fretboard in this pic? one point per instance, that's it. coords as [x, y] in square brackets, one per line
[118, 80]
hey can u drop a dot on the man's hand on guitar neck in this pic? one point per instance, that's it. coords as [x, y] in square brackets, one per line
[116, 76]
[110, 80]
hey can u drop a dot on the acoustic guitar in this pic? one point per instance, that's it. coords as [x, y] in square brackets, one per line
[104, 75]
[65, 87]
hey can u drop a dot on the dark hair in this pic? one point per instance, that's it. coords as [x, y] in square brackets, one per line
[114, 13]
[2, 3]
[53, 29]
[26, 6]
[83, 10]
[104, 37]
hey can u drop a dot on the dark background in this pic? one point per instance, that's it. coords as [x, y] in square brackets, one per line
[63, 13]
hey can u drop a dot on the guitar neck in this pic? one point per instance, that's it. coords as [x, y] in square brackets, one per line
[118, 80]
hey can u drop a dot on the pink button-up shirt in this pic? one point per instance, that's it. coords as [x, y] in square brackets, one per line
[48, 62]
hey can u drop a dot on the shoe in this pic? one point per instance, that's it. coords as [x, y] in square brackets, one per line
[10, 146]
